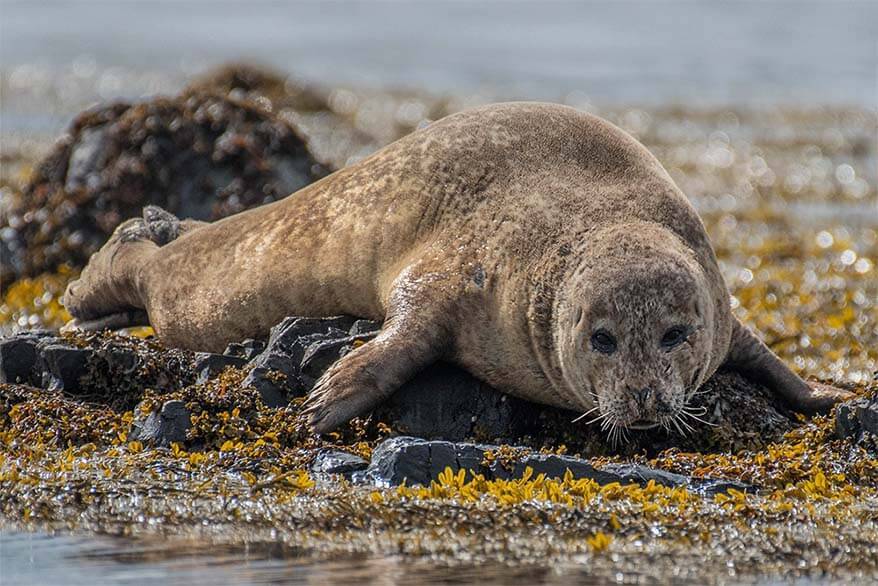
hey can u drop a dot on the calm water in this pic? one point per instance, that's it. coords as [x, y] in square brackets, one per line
[611, 51]
[37, 559]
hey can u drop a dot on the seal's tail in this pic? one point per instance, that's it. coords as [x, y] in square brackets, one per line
[107, 293]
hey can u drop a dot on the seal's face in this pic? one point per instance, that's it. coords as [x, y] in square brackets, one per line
[639, 345]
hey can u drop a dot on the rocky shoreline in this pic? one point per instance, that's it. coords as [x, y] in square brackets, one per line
[116, 434]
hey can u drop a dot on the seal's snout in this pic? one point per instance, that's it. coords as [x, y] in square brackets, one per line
[642, 396]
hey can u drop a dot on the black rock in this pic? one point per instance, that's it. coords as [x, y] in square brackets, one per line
[320, 355]
[248, 349]
[417, 461]
[289, 333]
[855, 417]
[337, 462]
[271, 385]
[209, 365]
[161, 428]
[63, 367]
[277, 371]
[556, 466]
[18, 359]
[468, 407]
[638, 474]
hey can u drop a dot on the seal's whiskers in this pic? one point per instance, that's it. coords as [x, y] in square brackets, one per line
[584, 415]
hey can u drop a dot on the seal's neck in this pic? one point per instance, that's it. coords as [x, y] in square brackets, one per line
[546, 283]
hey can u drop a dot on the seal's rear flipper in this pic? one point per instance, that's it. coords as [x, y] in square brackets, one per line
[158, 226]
[162, 226]
[752, 358]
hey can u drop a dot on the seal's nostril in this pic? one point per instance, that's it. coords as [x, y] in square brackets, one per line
[642, 395]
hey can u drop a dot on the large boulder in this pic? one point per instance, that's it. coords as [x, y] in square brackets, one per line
[200, 155]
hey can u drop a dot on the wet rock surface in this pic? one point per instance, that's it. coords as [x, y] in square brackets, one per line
[338, 462]
[408, 460]
[200, 155]
[164, 426]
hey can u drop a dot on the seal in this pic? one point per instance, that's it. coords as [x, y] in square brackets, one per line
[539, 247]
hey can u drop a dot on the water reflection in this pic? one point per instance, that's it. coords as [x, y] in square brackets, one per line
[37, 558]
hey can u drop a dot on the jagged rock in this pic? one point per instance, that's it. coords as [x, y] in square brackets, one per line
[337, 462]
[63, 367]
[855, 417]
[163, 427]
[200, 155]
[276, 372]
[248, 349]
[321, 354]
[298, 332]
[209, 365]
[417, 461]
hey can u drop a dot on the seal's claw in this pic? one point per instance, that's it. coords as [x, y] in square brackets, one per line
[347, 390]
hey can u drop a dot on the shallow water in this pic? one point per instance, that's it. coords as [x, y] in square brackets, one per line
[74, 560]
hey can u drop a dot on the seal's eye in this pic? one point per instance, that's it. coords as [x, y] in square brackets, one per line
[674, 337]
[603, 342]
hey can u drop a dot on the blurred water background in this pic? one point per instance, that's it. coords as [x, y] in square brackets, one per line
[634, 52]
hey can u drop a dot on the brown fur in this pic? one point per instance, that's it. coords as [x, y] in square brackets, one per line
[497, 238]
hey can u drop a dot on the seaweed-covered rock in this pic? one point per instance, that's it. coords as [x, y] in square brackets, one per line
[200, 155]
[162, 427]
[209, 365]
[443, 402]
[857, 417]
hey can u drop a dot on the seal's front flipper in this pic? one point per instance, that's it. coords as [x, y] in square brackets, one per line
[749, 356]
[371, 373]
[413, 337]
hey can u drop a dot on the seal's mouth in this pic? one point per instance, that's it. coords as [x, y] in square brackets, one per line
[642, 424]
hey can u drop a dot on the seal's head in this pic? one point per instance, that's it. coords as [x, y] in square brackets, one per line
[635, 329]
